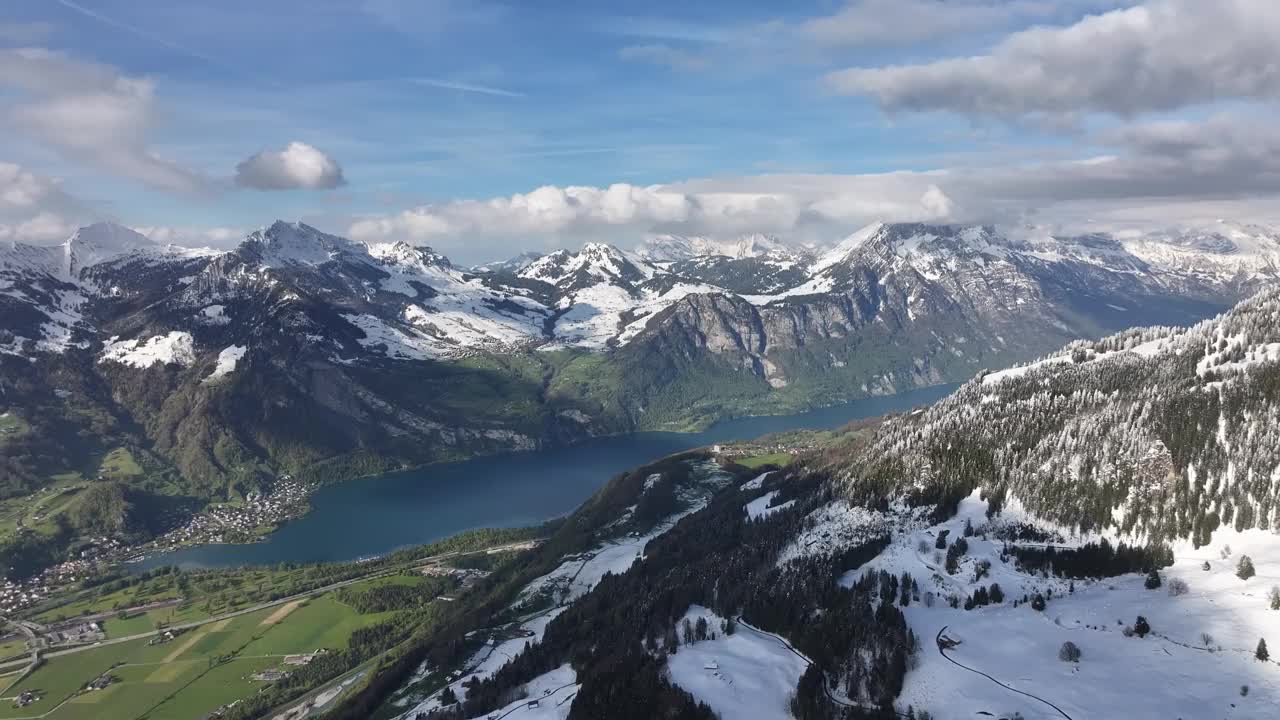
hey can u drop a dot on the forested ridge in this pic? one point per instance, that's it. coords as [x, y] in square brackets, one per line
[1163, 432]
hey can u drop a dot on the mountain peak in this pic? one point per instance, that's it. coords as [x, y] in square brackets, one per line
[296, 243]
[402, 253]
[100, 242]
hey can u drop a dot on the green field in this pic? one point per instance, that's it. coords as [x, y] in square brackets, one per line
[37, 508]
[197, 672]
[119, 464]
[755, 461]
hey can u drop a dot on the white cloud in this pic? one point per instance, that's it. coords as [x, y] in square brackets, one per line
[91, 113]
[44, 227]
[1226, 158]
[550, 215]
[20, 189]
[902, 22]
[34, 208]
[297, 167]
[1162, 55]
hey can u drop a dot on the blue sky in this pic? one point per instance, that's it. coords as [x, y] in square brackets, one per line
[409, 107]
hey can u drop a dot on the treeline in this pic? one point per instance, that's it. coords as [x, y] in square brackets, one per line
[1094, 560]
[396, 596]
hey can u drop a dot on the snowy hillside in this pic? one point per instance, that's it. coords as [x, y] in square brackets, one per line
[1205, 625]
[1165, 431]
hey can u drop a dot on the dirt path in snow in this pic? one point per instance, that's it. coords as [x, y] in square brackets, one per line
[938, 643]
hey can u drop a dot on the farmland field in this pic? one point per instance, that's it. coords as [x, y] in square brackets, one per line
[198, 671]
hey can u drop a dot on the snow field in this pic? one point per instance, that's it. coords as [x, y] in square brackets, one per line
[760, 508]
[1171, 673]
[175, 348]
[745, 675]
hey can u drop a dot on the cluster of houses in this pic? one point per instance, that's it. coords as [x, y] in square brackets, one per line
[238, 523]
[16, 596]
[751, 449]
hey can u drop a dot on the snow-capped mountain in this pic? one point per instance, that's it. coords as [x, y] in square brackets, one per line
[44, 290]
[661, 248]
[597, 340]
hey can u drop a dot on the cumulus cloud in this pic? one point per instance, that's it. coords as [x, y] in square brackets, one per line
[552, 214]
[21, 189]
[45, 227]
[1161, 55]
[297, 167]
[92, 114]
[1225, 158]
[34, 208]
[902, 22]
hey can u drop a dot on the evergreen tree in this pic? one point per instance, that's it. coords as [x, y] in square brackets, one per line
[997, 595]
[700, 629]
[1152, 581]
[1244, 568]
[1261, 653]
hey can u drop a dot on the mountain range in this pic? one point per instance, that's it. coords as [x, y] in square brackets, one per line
[307, 353]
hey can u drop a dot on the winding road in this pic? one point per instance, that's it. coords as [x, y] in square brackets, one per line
[938, 643]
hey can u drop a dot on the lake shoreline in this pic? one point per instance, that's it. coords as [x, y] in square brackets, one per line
[378, 513]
